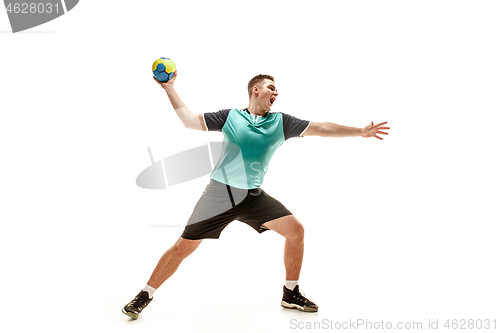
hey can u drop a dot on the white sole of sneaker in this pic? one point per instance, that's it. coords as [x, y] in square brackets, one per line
[298, 307]
[130, 314]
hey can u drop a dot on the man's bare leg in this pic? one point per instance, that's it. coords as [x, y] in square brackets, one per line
[293, 231]
[171, 259]
[167, 266]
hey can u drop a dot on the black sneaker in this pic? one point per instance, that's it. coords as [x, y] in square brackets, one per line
[134, 308]
[293, 299]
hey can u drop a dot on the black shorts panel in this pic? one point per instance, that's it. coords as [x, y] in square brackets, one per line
[221, 204]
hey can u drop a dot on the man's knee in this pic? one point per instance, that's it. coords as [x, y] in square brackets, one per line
[296, 230]
[184, 247]
[288, 226]
[299, 231]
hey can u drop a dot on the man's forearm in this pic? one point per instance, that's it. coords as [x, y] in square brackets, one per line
[188, 118]
[174, 98]
[337, 131]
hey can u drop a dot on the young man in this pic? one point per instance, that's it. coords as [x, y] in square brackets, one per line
[251, 136]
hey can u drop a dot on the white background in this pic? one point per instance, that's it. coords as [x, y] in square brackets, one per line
[404, 229]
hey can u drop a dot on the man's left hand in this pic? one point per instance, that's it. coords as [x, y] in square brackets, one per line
[372, 130]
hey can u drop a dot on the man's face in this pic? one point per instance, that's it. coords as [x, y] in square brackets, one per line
[267, 94]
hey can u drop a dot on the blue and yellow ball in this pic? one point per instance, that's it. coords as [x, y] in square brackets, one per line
[163, 69]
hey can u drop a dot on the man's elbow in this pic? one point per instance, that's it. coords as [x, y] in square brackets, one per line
[193, 123]
[322, 130]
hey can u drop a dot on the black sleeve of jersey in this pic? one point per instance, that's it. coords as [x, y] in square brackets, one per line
[293, 127]
[216, 120]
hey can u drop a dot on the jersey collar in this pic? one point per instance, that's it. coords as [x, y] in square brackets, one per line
[264, 116]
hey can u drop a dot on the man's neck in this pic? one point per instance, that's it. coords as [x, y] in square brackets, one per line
[256, 110]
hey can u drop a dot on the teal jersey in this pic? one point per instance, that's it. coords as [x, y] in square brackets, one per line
[249, 143]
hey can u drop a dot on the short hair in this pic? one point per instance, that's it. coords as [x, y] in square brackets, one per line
[257, 81]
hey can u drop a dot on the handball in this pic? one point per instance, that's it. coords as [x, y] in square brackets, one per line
[163, 69]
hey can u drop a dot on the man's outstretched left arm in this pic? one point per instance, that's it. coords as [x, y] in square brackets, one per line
[331, 130]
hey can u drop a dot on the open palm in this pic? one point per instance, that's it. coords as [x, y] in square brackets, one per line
[372, 130]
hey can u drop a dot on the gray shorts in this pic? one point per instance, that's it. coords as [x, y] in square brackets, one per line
[220, 204]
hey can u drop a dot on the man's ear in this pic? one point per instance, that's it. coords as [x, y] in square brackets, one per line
[255, 89]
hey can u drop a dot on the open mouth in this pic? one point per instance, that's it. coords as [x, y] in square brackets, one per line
[272, 101]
